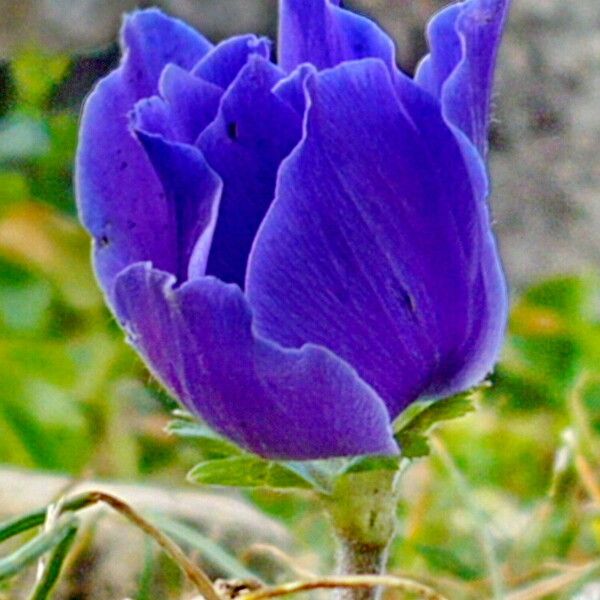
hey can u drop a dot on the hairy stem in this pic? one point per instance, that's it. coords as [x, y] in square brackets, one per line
[354, 558]
[363, 513]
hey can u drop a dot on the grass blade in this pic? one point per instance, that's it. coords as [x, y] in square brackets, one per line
[211, 552]
[54, 566]
[35, 548]
[19, 525]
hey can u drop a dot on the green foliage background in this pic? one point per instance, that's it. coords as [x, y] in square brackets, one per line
[508, 498]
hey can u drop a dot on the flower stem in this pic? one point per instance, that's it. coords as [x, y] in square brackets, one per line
[363, 513]
[354, 558]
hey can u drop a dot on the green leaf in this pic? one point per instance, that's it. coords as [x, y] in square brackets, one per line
[246, 471]
[211, 444]
[321, 474]
[415, 423]
[412, 427]
[373, 463]
[318, 474]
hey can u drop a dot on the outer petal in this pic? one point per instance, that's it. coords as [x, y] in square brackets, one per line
[372, 247]
[464, 41]
[488, 295]
[324, 34]
[152, 40]
[120, 199]
[291, 404]
[253, 132]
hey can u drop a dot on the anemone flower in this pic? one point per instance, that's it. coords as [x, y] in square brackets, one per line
[299, 248]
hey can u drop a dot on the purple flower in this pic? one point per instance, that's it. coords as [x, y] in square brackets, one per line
[300, 249]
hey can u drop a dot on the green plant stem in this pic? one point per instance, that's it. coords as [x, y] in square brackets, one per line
[355, 558]
[363, 514]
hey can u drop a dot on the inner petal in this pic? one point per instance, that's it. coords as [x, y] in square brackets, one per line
[253, 132]
[169, 125]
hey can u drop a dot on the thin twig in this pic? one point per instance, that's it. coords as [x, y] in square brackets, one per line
[348, 582]
[551, 585]
[588, 479]
[195, 574]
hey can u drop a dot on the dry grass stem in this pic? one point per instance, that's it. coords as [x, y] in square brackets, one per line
[194, 573]
[554, 584]
[348, 582]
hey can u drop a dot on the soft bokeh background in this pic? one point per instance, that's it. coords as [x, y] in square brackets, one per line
[491, 509]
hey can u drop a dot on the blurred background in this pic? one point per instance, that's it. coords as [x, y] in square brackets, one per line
[491, 511]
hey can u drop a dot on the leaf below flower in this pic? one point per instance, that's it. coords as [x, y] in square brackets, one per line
[417, 421]
[247, 471]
